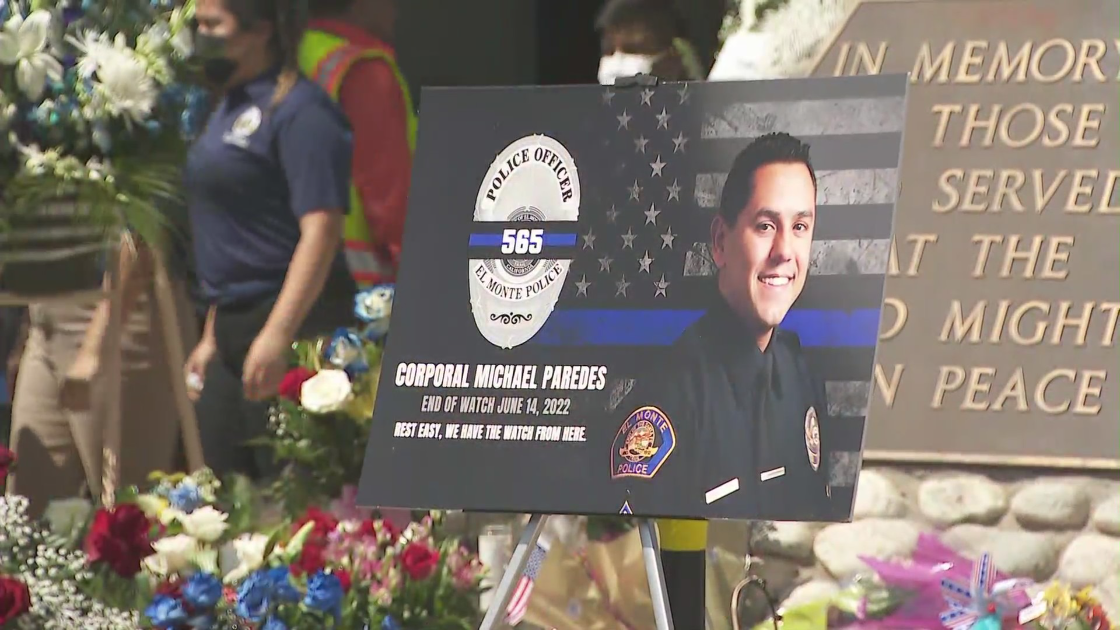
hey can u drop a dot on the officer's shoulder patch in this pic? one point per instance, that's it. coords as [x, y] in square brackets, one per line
[813, 438]
[643, 444]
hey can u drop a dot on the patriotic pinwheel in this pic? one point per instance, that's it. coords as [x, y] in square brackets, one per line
[983, 604]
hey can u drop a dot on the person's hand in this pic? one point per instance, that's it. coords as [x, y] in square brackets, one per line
[195, 369]
[77, 385]
[265, 365]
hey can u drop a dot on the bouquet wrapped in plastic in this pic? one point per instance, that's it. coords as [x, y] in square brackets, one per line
[940, 589]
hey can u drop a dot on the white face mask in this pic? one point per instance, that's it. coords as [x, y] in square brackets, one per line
[621, 64]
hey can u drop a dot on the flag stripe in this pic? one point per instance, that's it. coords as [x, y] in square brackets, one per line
[807, 118]
[827, 153]
[848, 398]
[882, 87]
[835, 187]
[828, 258]
[843, 292]
[633, 327]
[841, 364]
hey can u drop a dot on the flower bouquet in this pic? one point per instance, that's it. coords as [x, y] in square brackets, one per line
[96, 116]
[940, 589]
[321, 422]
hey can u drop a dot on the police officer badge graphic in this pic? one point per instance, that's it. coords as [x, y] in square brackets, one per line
[813, 438]
[533, 180]
[643, 443]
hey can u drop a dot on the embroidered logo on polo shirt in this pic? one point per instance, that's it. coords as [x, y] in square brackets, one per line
[643, 444]
[532, 181]
[244, 127]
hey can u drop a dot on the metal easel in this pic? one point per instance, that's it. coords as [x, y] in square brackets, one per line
[651, 552]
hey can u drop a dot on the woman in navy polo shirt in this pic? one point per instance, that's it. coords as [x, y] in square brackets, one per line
[267, 187]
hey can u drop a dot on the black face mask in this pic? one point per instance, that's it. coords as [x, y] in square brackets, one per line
[211, 49]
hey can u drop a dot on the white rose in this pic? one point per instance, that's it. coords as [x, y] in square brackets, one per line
[173, 554]
[205, 523]
[249, 551]
[326, 392]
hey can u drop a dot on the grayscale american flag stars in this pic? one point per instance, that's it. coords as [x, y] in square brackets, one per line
[631, 247]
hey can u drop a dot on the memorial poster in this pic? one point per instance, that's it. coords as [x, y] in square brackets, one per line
[999, 326]
[648, 300]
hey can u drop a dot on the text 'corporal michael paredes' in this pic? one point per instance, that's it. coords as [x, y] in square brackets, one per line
[491, 376]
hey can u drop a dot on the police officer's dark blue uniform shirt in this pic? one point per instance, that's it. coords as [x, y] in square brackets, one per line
[255, 170]
[732, 412]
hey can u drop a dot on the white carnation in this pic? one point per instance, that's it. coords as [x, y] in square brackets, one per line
[205, 523]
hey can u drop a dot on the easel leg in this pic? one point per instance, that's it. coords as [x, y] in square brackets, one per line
[512, 574]
[656, 576]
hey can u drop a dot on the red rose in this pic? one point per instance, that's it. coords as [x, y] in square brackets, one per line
[15, 599]
[367, 529]
[293, 381]
[344, 579]
[310, 560]
[324, 524]
[419, 561]
[229, 594]
[119, 538]
[7, 462]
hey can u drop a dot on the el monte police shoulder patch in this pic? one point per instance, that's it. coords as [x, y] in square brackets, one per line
[643, 444]
[813, 438]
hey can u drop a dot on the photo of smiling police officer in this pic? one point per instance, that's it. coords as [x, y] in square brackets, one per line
[730, 421]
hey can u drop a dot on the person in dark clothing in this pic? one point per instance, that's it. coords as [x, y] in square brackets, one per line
[645, 37]
[729, 422]
[268, 188]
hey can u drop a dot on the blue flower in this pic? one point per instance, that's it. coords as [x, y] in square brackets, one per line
[324, 593]
[165, 612]
[274, 623]
[374, 307]
[345, 351]
[282, 589]
[390, 623]
[253, 597]
[185, 497]
[202, 591]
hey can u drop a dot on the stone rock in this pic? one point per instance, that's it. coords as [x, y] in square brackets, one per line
[877, 497]
[788, 540]
[1019, 554]
[1106, 517]
[1051, 504]
[811, 591]
[839, 546]
[1090, 559]
[1108, 593]
[962, 499]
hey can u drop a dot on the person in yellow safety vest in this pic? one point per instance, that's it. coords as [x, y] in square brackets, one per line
[347, 49]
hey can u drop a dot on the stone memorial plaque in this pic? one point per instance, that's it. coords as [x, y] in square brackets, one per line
[999, 327]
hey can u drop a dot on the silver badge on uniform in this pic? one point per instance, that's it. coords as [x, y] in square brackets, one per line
[813, 438]
[244, 127]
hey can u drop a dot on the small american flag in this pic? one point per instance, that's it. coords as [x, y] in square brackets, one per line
[519, 603]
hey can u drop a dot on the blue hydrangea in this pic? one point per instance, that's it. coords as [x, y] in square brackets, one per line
[185, 497]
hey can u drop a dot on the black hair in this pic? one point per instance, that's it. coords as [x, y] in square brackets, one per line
[772, 148]
[329, 8]
[288, 21]
[661, 17]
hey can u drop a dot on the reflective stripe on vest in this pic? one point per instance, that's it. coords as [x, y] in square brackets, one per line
[326, 59]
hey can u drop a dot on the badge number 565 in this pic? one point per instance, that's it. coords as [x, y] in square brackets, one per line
[522, 241]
